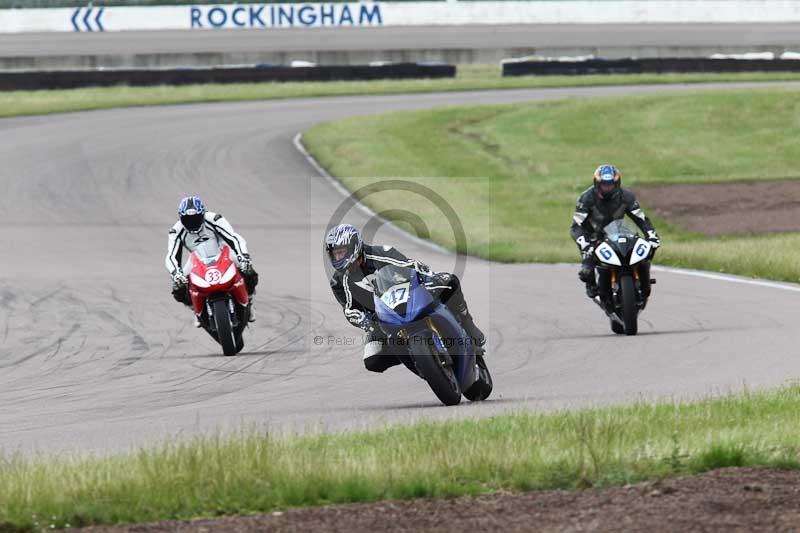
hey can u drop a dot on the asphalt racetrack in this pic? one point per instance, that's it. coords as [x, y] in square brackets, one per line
[604, 37]
[96, 355]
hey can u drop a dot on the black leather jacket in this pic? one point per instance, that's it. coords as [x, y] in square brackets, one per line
[353, 287]
[592, 214]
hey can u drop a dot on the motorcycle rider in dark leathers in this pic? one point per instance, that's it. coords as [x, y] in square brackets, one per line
[355, 264]
[598, 206]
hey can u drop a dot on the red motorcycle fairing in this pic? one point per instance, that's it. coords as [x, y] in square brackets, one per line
[220, 276]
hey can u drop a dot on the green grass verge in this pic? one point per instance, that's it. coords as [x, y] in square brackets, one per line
[252, 473]
[513, 173]
[470, 77]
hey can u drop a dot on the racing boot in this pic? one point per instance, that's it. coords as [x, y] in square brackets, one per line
[252, 317]
[591, 290]
[469, 325]
[586, 275]
[197, 323]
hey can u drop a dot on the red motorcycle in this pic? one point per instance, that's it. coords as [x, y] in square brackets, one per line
[219, 295]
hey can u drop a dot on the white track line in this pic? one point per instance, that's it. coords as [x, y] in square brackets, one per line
[730, 278]
[298, 143]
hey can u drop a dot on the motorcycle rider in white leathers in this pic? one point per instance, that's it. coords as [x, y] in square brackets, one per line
[195, 226]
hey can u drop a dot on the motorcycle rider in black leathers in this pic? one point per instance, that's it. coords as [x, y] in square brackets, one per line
[598, 206]
[196, 225]
[355, 263]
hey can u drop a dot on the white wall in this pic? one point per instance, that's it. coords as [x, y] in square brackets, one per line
[400, 14]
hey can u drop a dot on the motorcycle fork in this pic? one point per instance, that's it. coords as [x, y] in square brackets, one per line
[445, 360]
[613, 283]
[433, 328]
[231, 310]
[637, 283]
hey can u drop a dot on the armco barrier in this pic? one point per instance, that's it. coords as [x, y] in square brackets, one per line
[71, 79]
[648, 66]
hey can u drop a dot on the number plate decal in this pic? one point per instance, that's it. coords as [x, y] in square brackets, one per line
[606, 254]
[641, 251]
[213, 276]
[396, 295]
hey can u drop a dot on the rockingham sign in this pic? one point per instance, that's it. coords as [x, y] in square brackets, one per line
[373, 14]
[286, 15]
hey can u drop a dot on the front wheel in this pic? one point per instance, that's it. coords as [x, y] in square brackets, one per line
[225, 333]
[630, 310]
[437, 370]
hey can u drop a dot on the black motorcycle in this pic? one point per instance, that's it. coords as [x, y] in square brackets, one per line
[623, 289]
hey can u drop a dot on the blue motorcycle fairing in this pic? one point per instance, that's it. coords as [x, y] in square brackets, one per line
[462, 350]
[421, 305]
[419, 299]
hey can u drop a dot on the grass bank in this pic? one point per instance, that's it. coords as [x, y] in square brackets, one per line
[254, 472]
[470, 77]
[513, 172]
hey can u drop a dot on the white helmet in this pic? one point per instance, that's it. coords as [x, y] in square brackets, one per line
[341, 236]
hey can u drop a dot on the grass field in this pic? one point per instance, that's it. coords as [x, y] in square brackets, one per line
[254, 472]
[470, 77]
[516, 170]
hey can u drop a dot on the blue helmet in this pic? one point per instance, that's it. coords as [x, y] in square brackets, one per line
[343, 238]
[192, 213]
[607, 181]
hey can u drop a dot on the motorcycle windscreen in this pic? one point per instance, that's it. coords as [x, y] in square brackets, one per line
[622, 237]
[209, 251]
[399, 297]
[619, 229]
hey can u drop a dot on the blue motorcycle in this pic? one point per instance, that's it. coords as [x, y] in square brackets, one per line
[443, 354]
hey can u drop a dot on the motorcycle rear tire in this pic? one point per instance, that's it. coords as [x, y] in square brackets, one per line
[482, 388]
[630, 312]
[440, 377]
[225, 333]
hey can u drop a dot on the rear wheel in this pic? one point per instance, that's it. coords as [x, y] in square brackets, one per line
[629, 309]
[437, 370]
[616, 327]
[482, 388]
[222, 321]
[239, 343]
